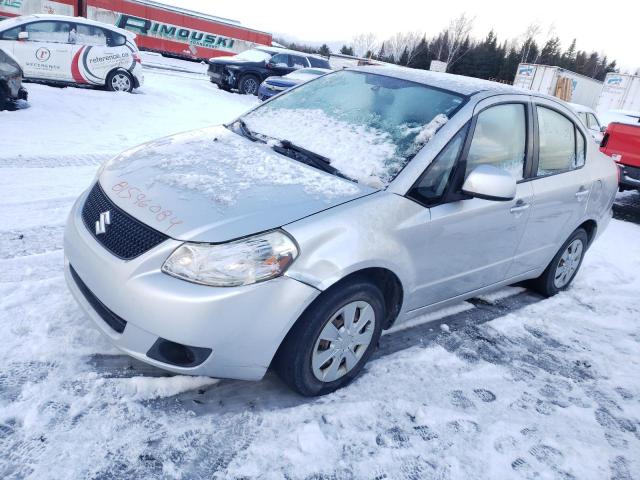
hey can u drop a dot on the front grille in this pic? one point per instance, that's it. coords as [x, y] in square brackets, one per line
[216, 68]
[125, 237]
[114, 321]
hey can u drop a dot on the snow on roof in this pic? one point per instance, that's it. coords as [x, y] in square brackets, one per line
[46, 16]
[447, 81]
[266, 48]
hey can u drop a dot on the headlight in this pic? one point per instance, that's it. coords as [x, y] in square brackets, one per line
[242, 262]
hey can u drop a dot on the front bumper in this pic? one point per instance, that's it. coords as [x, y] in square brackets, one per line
[242, 326]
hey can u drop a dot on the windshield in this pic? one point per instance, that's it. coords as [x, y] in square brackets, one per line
[368, 126]
[254, 56]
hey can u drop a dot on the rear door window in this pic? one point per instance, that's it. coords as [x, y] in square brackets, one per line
[500, 139]
[297, 61]
[318, 62]
[559, 147]
[49, 31]
[91, 35]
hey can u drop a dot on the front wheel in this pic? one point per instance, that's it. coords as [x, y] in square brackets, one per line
[564, 266]
[332, 340]
[249, 85]
[120, 81]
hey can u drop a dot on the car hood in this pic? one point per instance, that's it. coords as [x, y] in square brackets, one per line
[213, 185]
[234, 61]
[281, 81]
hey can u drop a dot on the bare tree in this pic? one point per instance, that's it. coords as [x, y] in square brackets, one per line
[455, 35]
[364, 43]
[402, 42]
[531, 33]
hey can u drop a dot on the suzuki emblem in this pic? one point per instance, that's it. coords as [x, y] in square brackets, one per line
[101, 225]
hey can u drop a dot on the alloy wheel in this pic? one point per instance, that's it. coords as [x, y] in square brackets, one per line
[250, 86]
[121, 82]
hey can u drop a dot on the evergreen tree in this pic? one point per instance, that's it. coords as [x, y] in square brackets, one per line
[550, 53]
[324, 50]
[568, 59]
[346, 50]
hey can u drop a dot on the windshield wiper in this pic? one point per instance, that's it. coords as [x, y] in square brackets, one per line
[245, 131]
[285, 147]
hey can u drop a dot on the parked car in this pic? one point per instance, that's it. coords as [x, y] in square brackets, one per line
[73, 50]
[590, 120]
[294, 235]
[11, 88]
[622, 143]
[274, 85]
[247, 70]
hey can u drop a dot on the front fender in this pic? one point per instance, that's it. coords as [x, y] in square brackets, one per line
[370, 232]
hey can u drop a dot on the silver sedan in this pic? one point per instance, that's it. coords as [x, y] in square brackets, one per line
[293, 236]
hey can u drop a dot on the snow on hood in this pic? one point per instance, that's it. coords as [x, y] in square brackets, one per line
[213, 185]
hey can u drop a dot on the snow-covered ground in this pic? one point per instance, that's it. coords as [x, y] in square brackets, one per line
[546, 389]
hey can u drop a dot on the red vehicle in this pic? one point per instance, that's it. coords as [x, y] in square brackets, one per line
[160, 28]
[622, 143]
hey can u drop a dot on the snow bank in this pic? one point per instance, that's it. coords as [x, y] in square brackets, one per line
[74, 123]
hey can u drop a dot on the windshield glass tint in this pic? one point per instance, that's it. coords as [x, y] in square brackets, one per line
[367, 125]
[254, 56]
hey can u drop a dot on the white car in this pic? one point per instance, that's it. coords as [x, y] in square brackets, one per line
[73, 50]
[590, 120]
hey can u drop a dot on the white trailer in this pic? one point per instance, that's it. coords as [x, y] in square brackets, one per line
[558, 82]
[620, 92]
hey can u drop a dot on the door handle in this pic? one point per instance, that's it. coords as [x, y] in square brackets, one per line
[519, 207]
[582, 193]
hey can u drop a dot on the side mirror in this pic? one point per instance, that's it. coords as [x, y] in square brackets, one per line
[270, 65]
[23, 35]
[490, 183]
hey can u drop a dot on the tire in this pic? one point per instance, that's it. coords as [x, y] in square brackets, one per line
[569, 258]
[249, 85]
[5, 101]
[299, 359]
[119, 81]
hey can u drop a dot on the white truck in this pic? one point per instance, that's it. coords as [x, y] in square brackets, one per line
[620, 92]
[558, 82]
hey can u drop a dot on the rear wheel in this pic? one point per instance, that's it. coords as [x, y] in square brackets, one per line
[564, 266]
[120, 81]
[249, 85]
[332, 340]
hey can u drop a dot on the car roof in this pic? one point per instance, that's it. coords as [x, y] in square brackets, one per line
[269, 49]
[447, 81]
[15, 21]
[581, 108]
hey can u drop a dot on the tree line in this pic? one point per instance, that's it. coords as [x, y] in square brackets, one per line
[488, 58]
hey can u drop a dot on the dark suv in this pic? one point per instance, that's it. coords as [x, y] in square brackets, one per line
[247, 70]
[10, 81]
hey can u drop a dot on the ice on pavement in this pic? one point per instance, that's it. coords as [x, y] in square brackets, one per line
[548, 391]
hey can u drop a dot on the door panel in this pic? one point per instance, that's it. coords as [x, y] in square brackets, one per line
[556, 210]
[470, 244]
[47, 53]
[561, 187]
